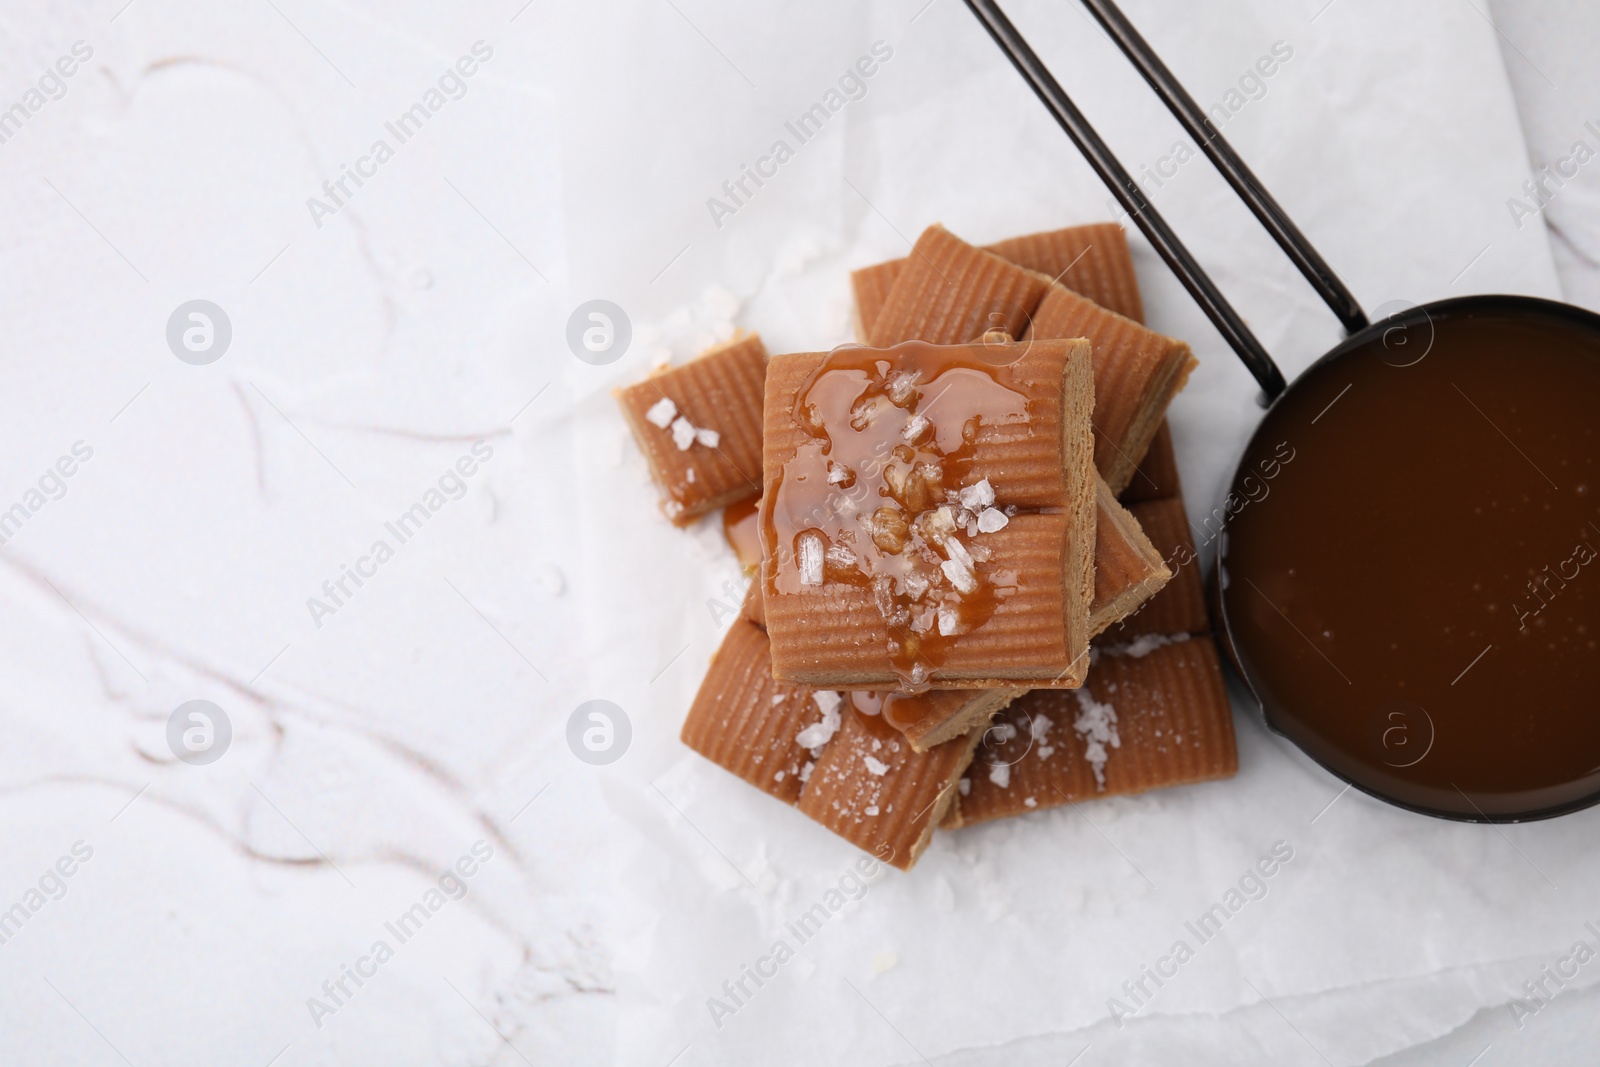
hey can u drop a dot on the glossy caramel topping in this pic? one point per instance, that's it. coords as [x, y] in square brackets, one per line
[882, 494]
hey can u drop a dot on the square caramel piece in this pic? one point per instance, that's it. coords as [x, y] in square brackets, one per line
[1180, 607]
[929, 516]
[699, 427]
[1156, 477]
[831, 755]
[745, 722]
[1137, 372]
[1140, 723]
[1093, 260]
[949, 293]
[1129, 568]
[874, 790]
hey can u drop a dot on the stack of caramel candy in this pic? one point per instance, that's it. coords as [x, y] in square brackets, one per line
[975, 592]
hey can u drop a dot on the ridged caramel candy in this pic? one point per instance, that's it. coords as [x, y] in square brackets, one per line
[1092, 260]
[718, 391]
[1137, 372]
[927, 516]
[950, 292]
[1173, 726]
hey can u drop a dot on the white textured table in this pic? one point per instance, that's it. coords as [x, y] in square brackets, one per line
[372, 843]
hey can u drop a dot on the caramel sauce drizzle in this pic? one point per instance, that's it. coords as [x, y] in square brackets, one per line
[875, 499]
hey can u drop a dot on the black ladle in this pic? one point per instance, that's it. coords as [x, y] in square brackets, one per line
[1361, 562]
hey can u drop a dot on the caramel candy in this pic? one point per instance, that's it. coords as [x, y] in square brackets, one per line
[745, 722]
[1139, 723]
[1092, 260]
[1156, 477]
[1128, 568]
[896, 551]
[874, 790]
[950, 292]
[1136, 374]
[742, 532]
[849, 771]
[699, 427]
[1180, 607]
[934, 717]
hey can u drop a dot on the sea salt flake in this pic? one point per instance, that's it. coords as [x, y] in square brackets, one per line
[965, 786]
[1031, 803]
[682, 433]
[689, 476]
[991, 519]
[1000, 774]
[915, 428]
[977, 496]
[810, 559]
[949, 620]
[1096, 723]
[1145, 644]
[805, 772]
[876, 766]
[901, 385]
[820, 733]
[661, 413]
[840, 556]
[960, 576]
[709, 438]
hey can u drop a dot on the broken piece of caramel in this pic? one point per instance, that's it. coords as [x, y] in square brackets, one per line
[927, 516]
[699, 427]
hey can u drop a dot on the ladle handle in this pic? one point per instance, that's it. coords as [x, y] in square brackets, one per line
[1128, 193]
[1199, 126]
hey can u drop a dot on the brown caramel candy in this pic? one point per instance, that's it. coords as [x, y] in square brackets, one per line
[950, 292]
[874, 790]
[1180, 607]
[745, 722]
[1156, 477]
[901, 545]
[699, 427]
[859, 777]
[1092, 260]
[938, 715]
[1128, 567]
[1137, 372]
[1139, 723]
